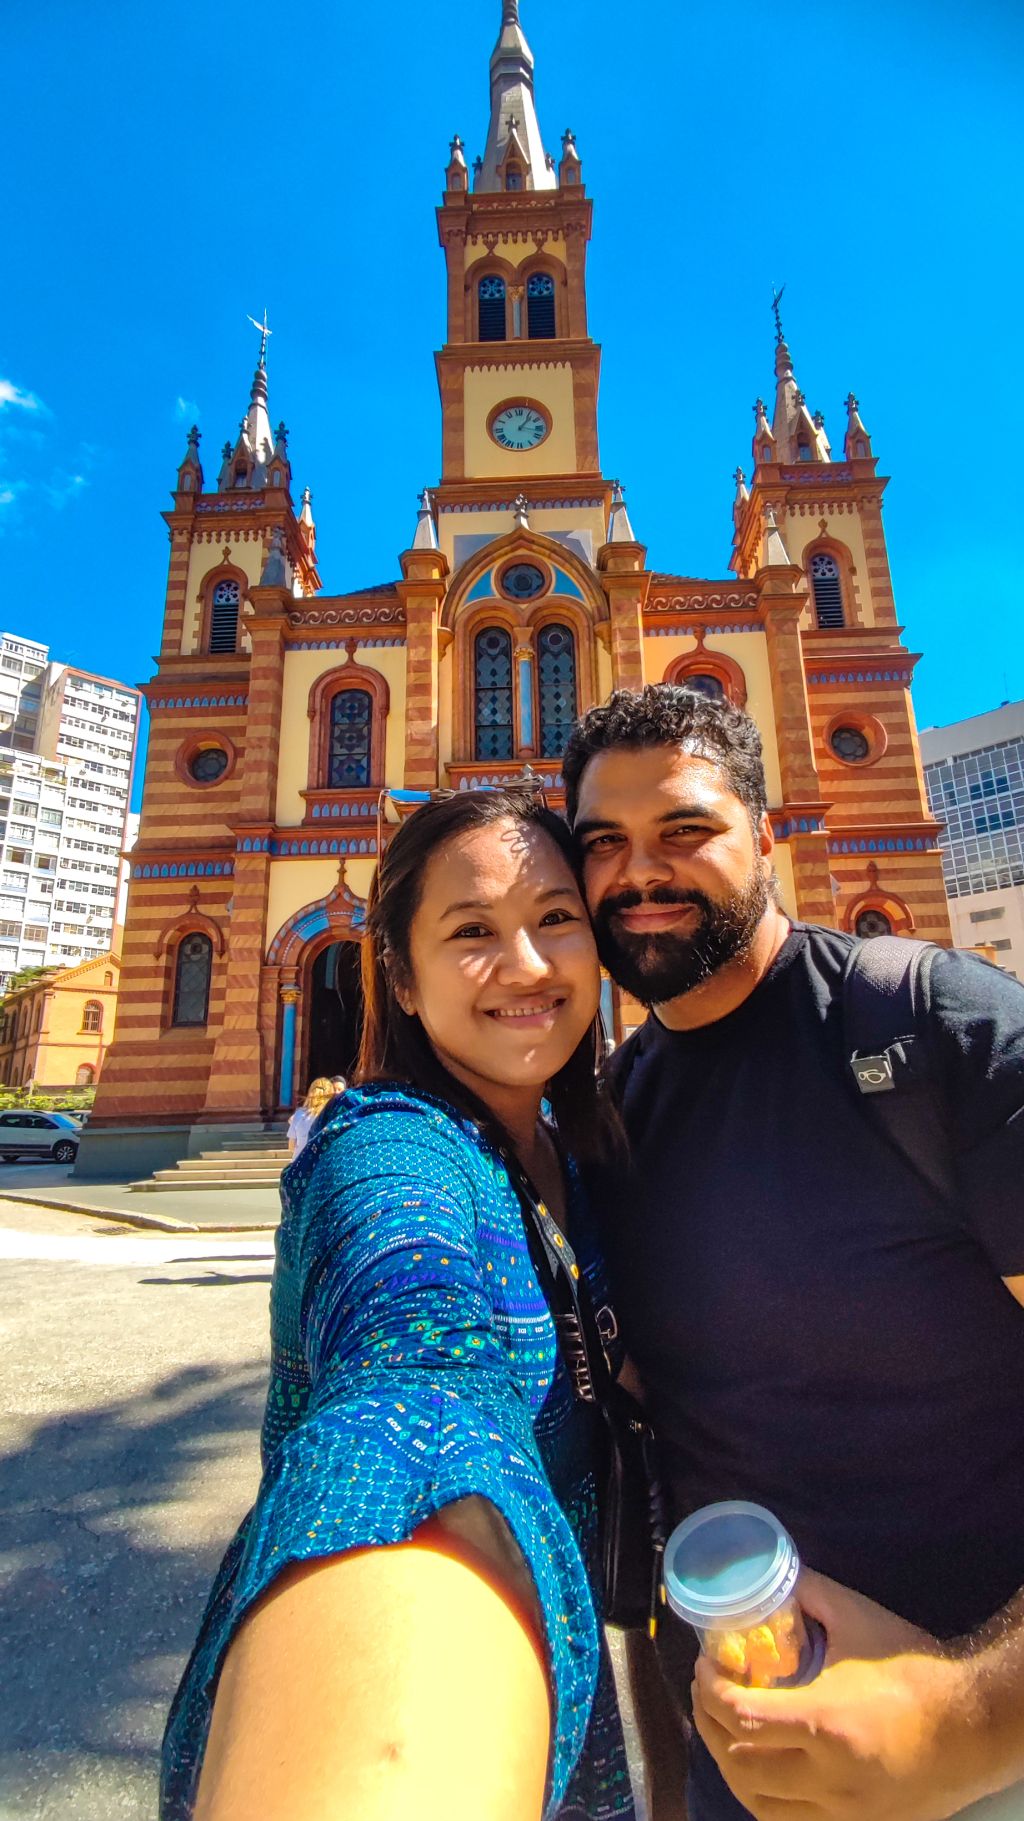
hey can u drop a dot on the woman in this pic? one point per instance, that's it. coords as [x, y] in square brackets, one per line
[301, 1122]
[404, 1624]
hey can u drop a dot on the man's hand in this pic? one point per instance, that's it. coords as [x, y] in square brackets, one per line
[889, 1730]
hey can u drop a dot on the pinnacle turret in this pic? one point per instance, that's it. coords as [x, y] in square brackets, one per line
[259, 457]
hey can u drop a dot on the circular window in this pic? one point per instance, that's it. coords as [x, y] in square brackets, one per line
[873, 923]
[703, 685]
[849, 743]
[208, 764]
[523, 581]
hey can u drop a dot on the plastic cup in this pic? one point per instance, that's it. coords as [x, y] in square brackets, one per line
[730, 1572]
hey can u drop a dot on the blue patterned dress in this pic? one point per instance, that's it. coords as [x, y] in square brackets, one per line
[414, 1363]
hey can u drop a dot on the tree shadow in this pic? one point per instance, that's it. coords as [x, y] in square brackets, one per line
[112, 1523]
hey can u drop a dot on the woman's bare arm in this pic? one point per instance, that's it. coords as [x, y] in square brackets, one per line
[381, 1684]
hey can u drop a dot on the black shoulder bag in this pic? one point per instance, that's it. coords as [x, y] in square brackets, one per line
[631, 1505]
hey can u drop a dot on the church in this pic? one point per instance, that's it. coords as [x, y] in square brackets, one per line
[280, 713]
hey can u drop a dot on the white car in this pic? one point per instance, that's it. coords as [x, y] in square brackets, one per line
[39, 1135]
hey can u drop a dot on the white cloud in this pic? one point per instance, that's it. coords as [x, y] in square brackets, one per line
[7, 496]
[186, 410]
[11, 394]
[65, 488]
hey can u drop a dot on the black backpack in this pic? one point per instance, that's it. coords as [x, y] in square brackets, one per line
[885, 1006]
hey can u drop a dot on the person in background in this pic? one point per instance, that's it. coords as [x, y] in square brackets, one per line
[819, 1328]
[301, 1122]
[405, 1624]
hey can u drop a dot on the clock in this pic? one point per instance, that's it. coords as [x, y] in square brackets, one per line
[518, 427]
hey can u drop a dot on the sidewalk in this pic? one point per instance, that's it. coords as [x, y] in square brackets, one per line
[193, 1211]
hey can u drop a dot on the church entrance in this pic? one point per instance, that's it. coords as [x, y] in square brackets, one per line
[335, 1012]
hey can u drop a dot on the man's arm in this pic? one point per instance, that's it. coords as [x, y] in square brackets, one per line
[897, 1726]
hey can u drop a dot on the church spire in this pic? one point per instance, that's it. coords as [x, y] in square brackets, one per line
[514, 157]
[798, 436]
[247, 463]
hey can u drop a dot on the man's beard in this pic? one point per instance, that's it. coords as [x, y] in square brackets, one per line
[664, 965]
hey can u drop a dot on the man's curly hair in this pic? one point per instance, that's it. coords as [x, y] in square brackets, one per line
[666, 714]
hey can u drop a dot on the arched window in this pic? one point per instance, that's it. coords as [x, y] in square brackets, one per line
[348, 759]
[492, 676]
[873, 923]
[704, 685]
[491, 309]
[540, 307]
[224, 606]
[513, 177]
[192, 969]
[827, 589]
[556, 673]
[92, 1016]
[85, 1075]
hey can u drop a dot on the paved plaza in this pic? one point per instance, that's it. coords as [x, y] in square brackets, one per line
[134, 1368]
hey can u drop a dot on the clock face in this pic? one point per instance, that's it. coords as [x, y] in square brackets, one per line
[519, 427]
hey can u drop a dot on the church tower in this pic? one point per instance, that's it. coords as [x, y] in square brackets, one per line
[284, 719]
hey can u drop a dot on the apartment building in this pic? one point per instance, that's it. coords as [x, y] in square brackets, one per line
[67, 751]
[974, 776]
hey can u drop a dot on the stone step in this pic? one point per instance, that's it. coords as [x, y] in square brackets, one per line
[211, 1159]
[187, 1174]
[177, 1184]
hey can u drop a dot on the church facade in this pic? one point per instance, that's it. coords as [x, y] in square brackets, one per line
[279, 713]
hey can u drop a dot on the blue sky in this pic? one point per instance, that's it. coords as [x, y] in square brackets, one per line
[168, 171]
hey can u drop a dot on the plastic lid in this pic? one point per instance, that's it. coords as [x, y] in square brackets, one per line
[731, 1561]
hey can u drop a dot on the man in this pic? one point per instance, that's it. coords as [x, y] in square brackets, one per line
[818, 1329]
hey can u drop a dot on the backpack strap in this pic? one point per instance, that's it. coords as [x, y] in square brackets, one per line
[885, 1003]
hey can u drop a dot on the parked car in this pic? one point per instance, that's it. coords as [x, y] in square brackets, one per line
[39, 1135]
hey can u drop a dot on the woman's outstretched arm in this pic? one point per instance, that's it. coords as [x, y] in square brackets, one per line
[378, 1685]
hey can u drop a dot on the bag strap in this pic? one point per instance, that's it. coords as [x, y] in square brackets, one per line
[575, 1320]
[885, 1002]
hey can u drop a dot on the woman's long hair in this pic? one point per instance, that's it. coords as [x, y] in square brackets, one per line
[318, 1094]
[394, 1046]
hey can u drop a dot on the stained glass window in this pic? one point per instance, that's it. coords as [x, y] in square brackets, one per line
[703, 684]
[556, 670]
[348, 765]
[540, 306]
[827, 589]
[224, 616]
[192, 979]
[873, 923]
[492, 666]
[491, 309]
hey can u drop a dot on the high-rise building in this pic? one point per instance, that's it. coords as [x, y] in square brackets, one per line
[974, 774]
[67, 750]
[279, 712]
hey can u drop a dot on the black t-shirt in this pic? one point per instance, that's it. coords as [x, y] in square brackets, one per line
[817, 1331]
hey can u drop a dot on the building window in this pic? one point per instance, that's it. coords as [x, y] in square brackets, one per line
[513, 178]
[209, 764]
[540, 307]
[348, 762]
[850, 744]
[92, 1017]
[827, 589]
[804, 452]
[492, 673]
[556, 672]
[224, 606]
[873, 923]
[491, 309]
[192, 969]
[85, 1075]
[523, 581]
[108, 979]
[703, 684]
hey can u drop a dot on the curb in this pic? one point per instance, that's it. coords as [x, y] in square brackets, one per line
[164, 1223]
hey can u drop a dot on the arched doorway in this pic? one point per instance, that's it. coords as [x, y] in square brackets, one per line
[335, 1012]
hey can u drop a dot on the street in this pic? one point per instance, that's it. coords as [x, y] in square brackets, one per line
[134, 1370]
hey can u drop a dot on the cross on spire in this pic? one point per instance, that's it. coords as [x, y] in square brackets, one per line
[264, 332]
[509, 13]
[776, 301]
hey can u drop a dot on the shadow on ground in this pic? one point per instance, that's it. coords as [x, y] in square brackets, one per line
[112, 1522]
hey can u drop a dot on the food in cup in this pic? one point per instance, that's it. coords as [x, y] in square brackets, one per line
[731, 1572]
